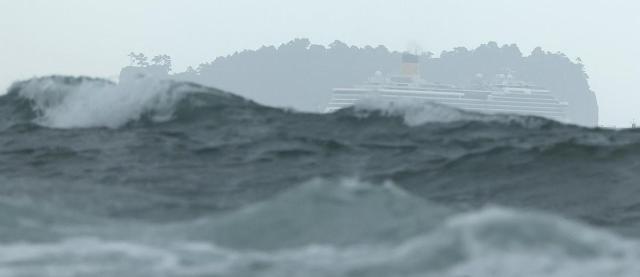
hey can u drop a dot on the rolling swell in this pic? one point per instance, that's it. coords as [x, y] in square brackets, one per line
[196, 142]
[178, 157]
[322, 228]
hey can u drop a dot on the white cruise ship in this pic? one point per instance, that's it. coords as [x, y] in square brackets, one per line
[503, 96]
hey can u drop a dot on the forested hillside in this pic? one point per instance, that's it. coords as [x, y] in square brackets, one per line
[300, 74]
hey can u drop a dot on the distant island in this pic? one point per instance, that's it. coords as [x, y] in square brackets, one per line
[301, 75]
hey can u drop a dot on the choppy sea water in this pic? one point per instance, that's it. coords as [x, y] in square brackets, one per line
[160, 178]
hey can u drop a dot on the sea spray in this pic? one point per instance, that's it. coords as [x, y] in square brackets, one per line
[85, 103]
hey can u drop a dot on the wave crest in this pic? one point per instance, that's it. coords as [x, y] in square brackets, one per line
[335, 217]
[416, 113]
[81, 102]
[85, 103]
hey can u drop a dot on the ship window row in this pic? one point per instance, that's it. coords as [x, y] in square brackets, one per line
[532, 101]
[537, 96]
[349, 95]
[529, 97]
[424, 88]
[423, 95]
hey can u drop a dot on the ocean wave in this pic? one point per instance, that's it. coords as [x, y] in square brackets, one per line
[82, 102]
[417, 113]
[352, 229]
[69, 102]
[221, 151]
[160, 178]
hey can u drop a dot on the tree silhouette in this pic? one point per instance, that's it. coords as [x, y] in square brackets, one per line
[162, 61]
[138, 59]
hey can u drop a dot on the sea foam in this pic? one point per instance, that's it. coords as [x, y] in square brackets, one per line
[488, 242]
[416, 113]
[99, 103]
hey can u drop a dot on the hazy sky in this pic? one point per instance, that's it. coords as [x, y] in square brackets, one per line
[88, 37]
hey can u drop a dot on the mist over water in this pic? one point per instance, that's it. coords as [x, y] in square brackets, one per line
[164, 178]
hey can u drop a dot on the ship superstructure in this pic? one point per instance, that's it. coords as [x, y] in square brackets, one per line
[504, 95]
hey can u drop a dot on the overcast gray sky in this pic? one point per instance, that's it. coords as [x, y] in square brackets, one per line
[91, 37]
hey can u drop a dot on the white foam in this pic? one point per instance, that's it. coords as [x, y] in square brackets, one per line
[492, 242]
[99, 104]
[489, 242]
[415, 112]
[501, 242]
[83, 257]
[465, 246]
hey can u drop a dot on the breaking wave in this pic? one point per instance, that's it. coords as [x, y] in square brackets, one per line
[66, 102]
